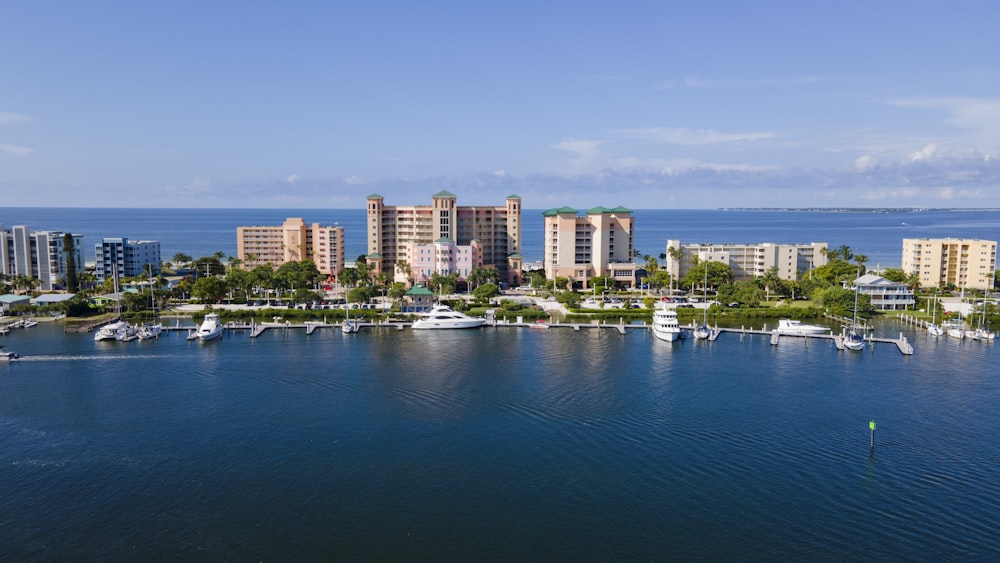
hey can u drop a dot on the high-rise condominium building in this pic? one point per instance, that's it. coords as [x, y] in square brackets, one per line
[961, 263]
[291, 242]
[37, 254]
[748, 261]
[126, 258]
[596, 244]
[395, 231]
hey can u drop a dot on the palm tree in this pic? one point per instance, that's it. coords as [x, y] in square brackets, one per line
[181, 259]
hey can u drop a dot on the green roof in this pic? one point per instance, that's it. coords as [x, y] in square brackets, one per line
[559, 211]
[418, 290]
[444, 193]
[515, 255]
[445, 240]
[513, 196]
[375, 196]
[621, 209]
[602, 209]
[375, 256]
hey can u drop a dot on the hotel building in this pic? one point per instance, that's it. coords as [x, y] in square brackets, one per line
[37, 254]
[962, 263]
[597, 243]
[291, 242]
[490, 235]
[127, 258]
[748, 261]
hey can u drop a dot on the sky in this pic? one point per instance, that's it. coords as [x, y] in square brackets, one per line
[649, 105]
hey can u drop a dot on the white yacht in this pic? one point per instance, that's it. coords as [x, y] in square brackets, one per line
[126, 333]
[795, 327]
[443, 316]
[109, 331]
[210, 328]
[954, 329]
[665, 325]
[854, 341]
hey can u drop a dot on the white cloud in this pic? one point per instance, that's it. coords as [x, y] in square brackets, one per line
[14, 118]
[292, 179]
[14, 150]
[684, 136]
[696, 82]
[926, 153]
[355, 181]
[865, 163]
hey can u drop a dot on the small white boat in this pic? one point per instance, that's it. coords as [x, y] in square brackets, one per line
[935, 330]
[854, 341]
[210, 328]
[350, 327]
[954, 329]
[148, 332]
[665, 325]
[6, 356]
[444, 317]
[794, 327]
[29, 322]
[126, 333]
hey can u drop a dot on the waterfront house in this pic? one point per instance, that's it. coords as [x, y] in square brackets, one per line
[885, 295]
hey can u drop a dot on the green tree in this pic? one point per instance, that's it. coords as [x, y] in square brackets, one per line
[180, 259]
[486, 291]
[209, 290]
[770, 282]
[895, 275]
[69, 247]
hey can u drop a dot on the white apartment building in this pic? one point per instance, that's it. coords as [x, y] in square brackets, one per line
[393, 230]
[292, 241]
[598, 243]
[37, 254]
[962, 263]
[127, 258]
[748, 261]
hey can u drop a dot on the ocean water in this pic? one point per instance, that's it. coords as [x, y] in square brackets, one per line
[496, 444]
[203, 232]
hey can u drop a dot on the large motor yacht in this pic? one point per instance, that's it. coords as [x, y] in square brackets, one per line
[443, 316]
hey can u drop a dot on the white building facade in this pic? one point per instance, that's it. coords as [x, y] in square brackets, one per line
[127, 258]
[748, 261]
[885, 295]
[37, 254]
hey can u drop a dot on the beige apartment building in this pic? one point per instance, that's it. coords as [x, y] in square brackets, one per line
[962, 263]
[598, 243]
[748, 261]
[291, 242]
[394, 230]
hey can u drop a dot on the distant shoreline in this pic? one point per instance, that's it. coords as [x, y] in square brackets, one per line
[854, 209]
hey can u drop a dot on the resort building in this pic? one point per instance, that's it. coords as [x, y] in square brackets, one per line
[748, 261]
[37, 254]
[885, 295]
[443, 257]
[960, 263]
[291, 242]
[597, 243]
[126, 258]
[395, 232]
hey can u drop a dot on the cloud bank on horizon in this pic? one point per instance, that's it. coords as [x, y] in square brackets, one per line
[718, 104]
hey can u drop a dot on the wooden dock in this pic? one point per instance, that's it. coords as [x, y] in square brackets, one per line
[257, 329]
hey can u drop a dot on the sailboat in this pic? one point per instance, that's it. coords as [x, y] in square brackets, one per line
[933, 328]
[119, 329]
[349, 326]
[853, 340]
[982, 332]
[956, 328]
[151, 330]
[702, 331]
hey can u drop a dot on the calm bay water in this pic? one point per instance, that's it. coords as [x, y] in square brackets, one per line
[504, 444]
[203, 232]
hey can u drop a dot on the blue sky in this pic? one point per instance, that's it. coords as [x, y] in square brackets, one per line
[643, 104]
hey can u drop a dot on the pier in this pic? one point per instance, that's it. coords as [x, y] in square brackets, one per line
[256, 329]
